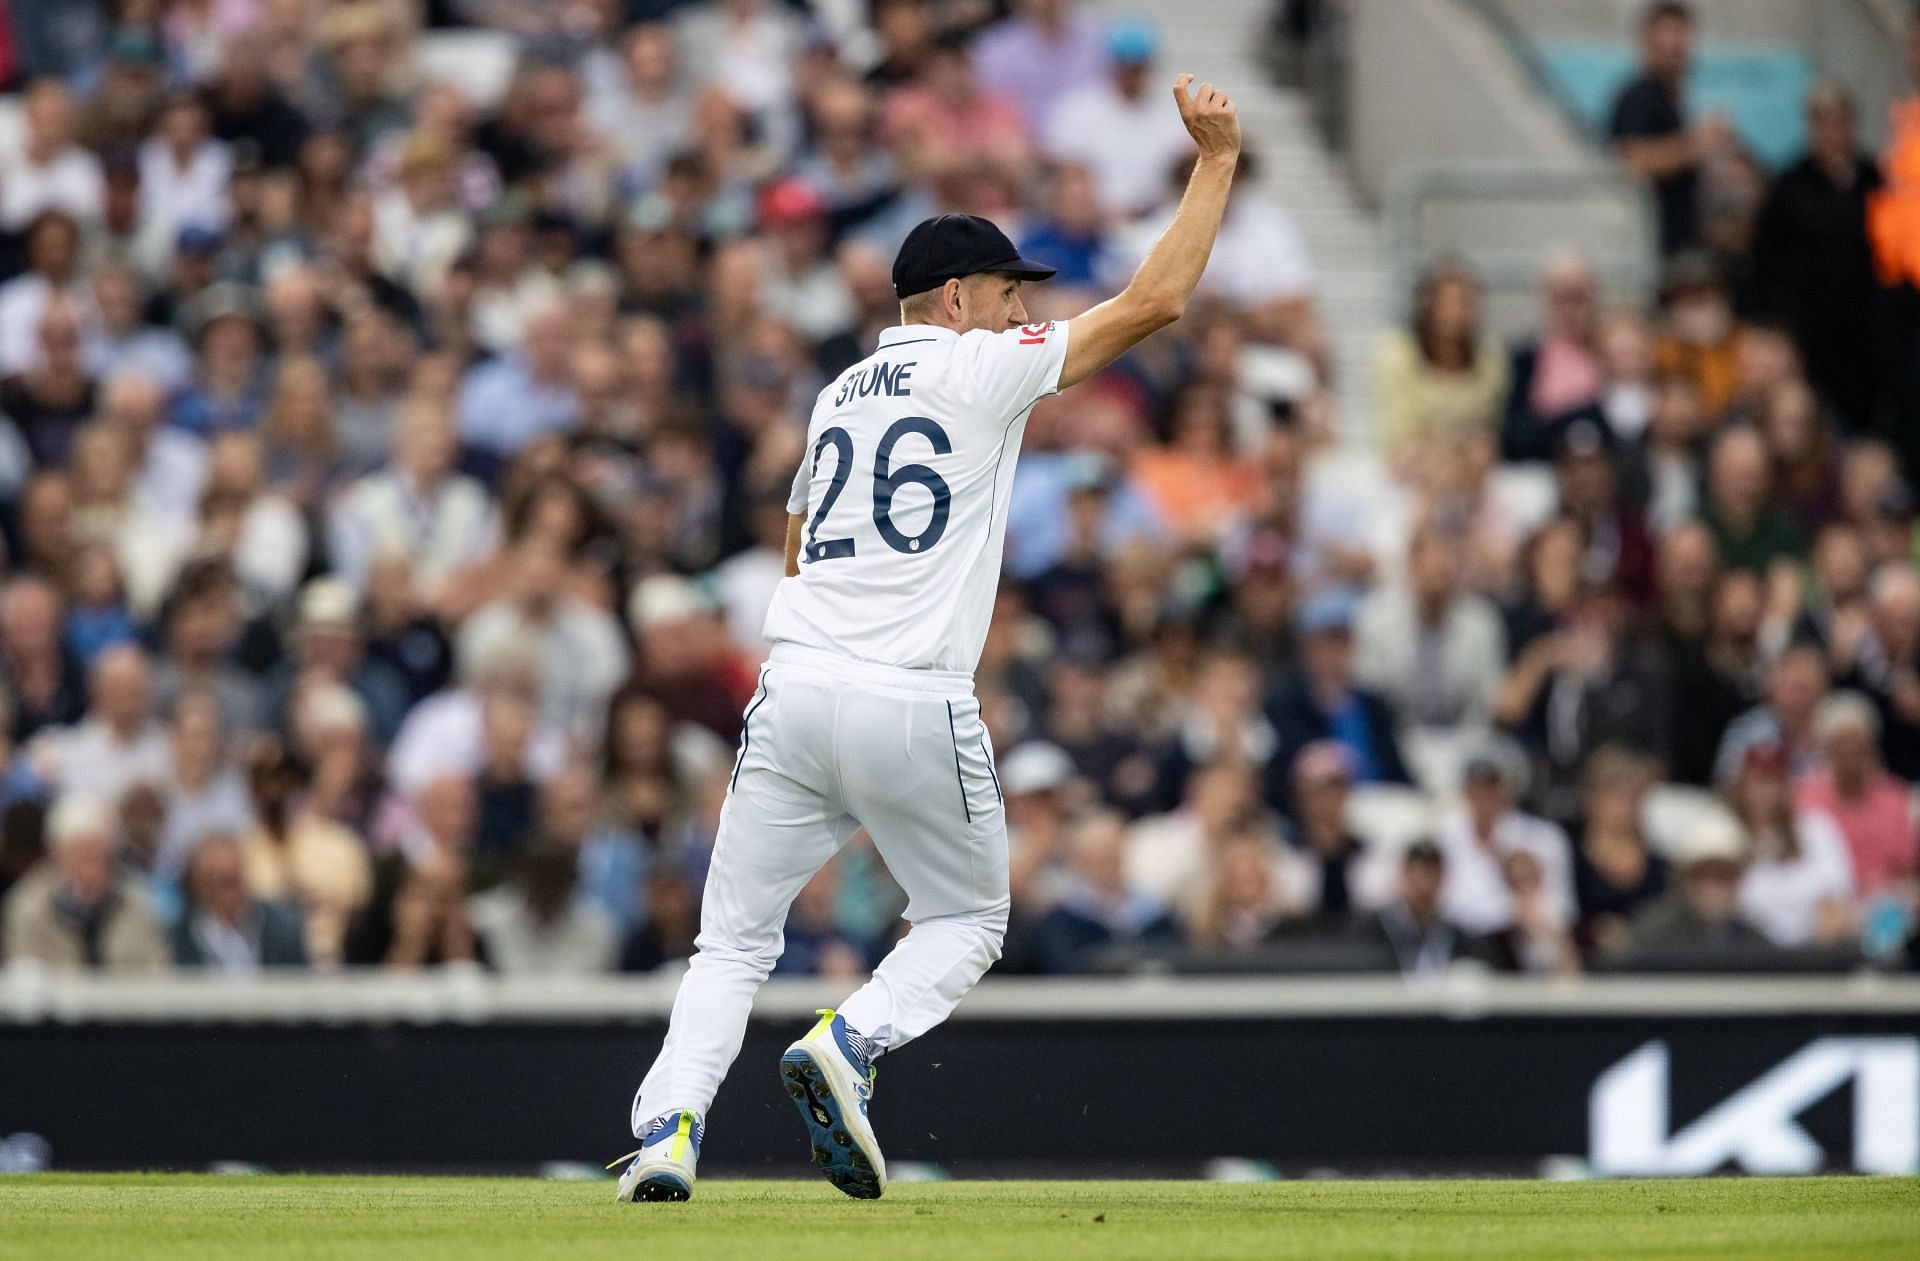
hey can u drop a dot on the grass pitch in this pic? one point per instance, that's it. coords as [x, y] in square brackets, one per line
[56, 1216]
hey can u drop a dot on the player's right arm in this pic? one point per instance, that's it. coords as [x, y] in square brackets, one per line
[1157, 295]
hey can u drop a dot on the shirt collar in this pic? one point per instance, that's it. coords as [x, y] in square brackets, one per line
[901, 333]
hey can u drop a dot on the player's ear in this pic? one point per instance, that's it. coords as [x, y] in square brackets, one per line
[951, 295]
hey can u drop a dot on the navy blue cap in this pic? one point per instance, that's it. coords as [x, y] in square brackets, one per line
[949, 247]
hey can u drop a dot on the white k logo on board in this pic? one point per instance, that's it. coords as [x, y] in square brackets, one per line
[1757, 1128]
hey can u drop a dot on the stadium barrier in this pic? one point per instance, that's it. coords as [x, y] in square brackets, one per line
[1154, 1075]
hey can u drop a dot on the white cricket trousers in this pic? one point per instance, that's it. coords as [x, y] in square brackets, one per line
[829, 746]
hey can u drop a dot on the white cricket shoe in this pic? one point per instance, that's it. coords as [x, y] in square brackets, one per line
[831, 1080]
[663, 1167]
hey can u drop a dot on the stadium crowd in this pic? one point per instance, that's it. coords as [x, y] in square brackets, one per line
[393, 484]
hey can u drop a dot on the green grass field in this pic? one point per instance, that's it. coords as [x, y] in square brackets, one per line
[54, 1216]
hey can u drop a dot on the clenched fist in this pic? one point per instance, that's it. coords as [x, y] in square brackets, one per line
[1210, 118]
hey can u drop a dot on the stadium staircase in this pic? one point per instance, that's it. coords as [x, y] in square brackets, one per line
[1219, 40]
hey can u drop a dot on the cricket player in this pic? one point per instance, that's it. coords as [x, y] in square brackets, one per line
[865, 713]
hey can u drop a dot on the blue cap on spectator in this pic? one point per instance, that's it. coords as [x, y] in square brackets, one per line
[1326, 611]
[1132, 42]
[197, 238]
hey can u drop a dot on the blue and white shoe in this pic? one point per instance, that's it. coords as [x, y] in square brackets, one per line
[663, 1167]
[830, 1075]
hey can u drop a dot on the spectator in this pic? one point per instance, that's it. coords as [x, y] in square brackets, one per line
[580, 649]
[1717, 677]
[952, 131]
[1120, 128]
[1435, 652]
[1243, 902]
[1444, 378]
[1619, 547]
[1580, 688]
[1413, 927]
[53, 278]
[1169, 855]
[1336, 877]
[225, 929]
[1698, 925]
[1815, 261]
[815, 944]
[1798, 886]
[506, 403]
[49, 400]
[1536, 942]
[1873, 810]
[1040, 57]
[1886, 663]
[1195, 483]
[50, 171]
[42, 675]
[1699, 338]
[1615, 872]
[1096, 907]
[328, 642]
[298, 857]
[1260, 265]
[184, 170]
[1649, 124]
[1796, 685]
[1488, 827]
[202, 628]
[535, 926]
[418, 507]
[1323, 701]
[167, 466]
[1560, 374]
[118, 743]
[204, 795]
[646, 114]
[75, 910]
[1036, 780]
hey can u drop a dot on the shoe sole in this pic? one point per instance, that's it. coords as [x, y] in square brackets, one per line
[661, 1188]
[835, 1148]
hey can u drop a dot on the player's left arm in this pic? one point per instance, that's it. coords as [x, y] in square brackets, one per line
[1158, 293]
[796, 522]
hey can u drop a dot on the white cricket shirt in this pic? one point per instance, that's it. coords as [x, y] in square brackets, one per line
[905, 485]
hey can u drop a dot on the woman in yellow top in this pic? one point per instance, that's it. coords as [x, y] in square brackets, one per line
[303, 858]
[1443, 378]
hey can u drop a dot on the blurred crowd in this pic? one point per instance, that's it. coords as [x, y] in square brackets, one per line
[393, 467]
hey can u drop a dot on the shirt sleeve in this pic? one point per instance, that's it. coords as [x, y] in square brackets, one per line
[1006, 373]
[797, 495]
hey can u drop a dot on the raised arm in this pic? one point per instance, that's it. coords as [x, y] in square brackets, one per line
[1157, 295]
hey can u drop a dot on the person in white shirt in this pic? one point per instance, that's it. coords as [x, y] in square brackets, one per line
[441, 520]
[1120, 129]
[118, 745]
[53, 276]
[49, 171]
[646, 114]
[169, 465]
[1797, 886]
[865, 714]
[445, 734]
[1478, 835]
[184, 171]
[1435, 650]
[583, 655]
